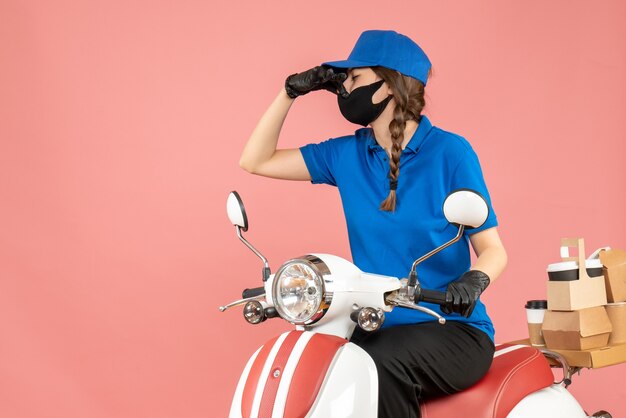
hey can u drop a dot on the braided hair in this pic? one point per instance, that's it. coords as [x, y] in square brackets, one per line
[408, 95]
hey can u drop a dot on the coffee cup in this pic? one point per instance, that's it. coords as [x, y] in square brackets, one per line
[535, 311]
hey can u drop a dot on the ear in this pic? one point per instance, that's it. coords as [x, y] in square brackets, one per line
[389, 90]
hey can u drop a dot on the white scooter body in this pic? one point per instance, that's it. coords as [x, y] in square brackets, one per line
[315, 372]
[553, 401]
[349, 389]
[350, 385]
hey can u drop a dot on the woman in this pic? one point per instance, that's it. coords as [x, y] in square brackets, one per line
[393, 178]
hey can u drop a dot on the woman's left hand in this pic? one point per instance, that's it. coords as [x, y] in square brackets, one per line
[463, 293]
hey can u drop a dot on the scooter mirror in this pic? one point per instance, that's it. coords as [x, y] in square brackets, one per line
[466, 207]
[236, 211]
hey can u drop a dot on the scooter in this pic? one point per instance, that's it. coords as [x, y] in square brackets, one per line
[315, 372]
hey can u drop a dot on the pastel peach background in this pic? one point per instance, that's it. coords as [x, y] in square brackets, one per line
[121, 125]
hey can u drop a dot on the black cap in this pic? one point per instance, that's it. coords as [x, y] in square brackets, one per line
[537, 304]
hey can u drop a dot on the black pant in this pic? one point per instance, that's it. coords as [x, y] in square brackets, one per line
[426, 360]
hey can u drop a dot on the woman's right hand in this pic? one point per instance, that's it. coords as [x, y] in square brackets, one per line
[317, 78]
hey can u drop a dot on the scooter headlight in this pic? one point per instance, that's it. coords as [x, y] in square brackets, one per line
[298, 290]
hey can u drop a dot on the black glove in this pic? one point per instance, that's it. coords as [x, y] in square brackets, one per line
[462, 294]
[317, 78]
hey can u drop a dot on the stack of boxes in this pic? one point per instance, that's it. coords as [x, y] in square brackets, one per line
[614, 262]
[577, 318]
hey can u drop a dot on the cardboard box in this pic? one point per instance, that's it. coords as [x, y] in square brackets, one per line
[578, 294]
[577, 330]
[594, 358]
[614, 262]
[617, 316]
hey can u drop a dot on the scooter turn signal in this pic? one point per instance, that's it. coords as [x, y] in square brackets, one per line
[368, 319]
[253, 312]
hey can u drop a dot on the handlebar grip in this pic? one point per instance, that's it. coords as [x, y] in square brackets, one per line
[432, 296]
[250, 293]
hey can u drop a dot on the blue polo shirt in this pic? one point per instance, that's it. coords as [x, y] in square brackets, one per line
[433, 164]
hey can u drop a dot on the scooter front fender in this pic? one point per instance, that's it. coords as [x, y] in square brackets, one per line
[307, 374]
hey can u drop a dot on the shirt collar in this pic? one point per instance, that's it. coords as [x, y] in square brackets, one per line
[413, 145]
[420, 134]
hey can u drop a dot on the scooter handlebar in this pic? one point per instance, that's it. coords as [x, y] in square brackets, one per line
[431, 296]
[255, 291]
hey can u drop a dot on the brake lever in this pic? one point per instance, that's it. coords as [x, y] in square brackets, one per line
[397, 299]
[241, 302]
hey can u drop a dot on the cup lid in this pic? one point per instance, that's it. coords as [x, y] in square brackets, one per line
[537, 304]
[573, 265]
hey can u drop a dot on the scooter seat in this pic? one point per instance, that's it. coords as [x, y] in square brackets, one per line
[516, 372]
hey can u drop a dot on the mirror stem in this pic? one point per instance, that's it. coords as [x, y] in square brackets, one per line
[266, 267]
[413, 273]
